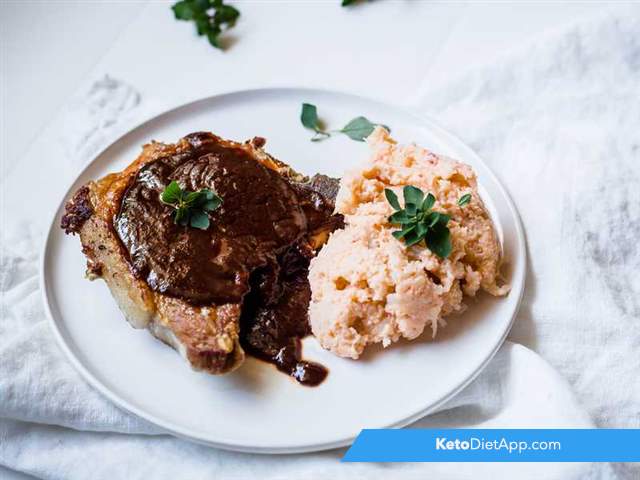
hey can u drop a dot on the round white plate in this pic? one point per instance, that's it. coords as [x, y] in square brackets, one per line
[256, 408]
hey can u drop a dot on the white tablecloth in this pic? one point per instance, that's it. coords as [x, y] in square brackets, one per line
[557, 121]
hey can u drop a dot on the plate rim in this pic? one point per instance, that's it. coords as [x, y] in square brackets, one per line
[424, 120]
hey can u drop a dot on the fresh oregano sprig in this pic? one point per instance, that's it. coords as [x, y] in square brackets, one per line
[190, 208]
[210, 16]
[357, 129]
[419, 222]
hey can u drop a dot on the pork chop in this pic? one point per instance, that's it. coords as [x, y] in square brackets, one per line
[185, 285]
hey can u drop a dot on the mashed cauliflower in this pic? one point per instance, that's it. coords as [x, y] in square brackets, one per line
[368, 287]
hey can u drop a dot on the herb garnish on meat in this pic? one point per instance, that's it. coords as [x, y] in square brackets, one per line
[190, 208]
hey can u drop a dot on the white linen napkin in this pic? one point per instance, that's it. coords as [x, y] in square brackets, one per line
[558, 122]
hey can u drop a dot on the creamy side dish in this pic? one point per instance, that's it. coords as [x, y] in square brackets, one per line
[369, 287]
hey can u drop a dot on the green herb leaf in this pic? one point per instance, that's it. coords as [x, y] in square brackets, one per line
[439, 241]
[421, 229]
[412, 195]
[443, 219]
[213, 204]
[181, 216]
[358, 129]
[183, 11]
[419, 222]
[464, 199]
[392, 198]
[191, 198]
[201, 20]
[413, 238]
[199, 219]
[428, 202]
[309, 116]
[411, 209]
[432, 218]
[172, 194]
[190, 208]
[211, 17]
[226, 14]
[400, 217]
[405, 231]
[212, 36]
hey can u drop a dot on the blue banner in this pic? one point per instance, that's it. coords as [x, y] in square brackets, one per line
[496, 445]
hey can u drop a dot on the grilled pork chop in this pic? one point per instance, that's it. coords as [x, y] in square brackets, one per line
[189, 287]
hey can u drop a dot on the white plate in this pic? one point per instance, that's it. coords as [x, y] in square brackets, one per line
[256, 408]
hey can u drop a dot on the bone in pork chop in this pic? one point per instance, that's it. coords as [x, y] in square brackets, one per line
[190, 287]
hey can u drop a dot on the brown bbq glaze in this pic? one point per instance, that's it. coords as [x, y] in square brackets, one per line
[259, 217]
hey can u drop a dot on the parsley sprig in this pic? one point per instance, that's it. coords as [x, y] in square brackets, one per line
[419, 222]
[190, 208]
[357, 129]
[210, 16]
